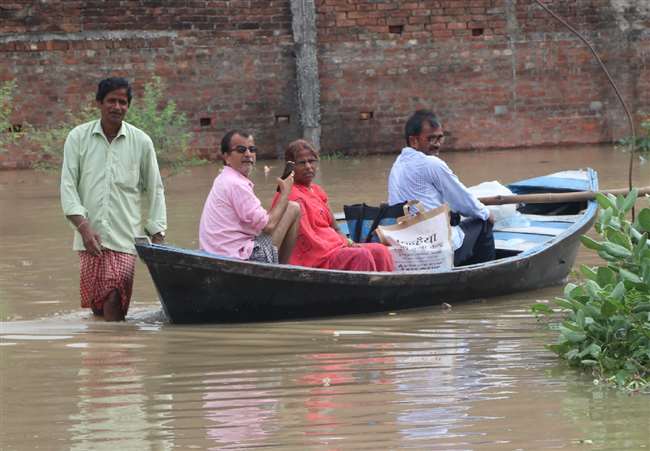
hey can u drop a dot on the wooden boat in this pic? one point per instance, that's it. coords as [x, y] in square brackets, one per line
[197, 287]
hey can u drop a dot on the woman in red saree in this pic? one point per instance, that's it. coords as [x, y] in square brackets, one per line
[320, 243]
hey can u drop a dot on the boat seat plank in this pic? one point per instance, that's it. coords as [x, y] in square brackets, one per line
[549, 231]
[514, 241]
[514, 245]
[557, 218]
[551, 225]
[533, 238]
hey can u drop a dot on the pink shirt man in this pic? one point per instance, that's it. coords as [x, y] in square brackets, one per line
[232, 216]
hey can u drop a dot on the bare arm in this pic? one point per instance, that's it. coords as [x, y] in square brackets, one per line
[333, 223]
[335, 226]
[280, 207]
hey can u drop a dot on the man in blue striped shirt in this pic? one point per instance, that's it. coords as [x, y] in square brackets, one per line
[419, 174]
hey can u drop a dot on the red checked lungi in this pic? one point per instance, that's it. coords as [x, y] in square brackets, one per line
[99, 276]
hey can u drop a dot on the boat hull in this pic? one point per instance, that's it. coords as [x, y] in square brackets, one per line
[194, 288]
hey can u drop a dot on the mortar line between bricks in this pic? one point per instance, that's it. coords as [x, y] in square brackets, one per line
[85, 36]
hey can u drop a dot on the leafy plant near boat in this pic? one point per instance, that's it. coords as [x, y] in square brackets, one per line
[605, 323]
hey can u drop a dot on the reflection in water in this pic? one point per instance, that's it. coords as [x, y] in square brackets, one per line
[110, 400]
[239, 412]
[438, 410]
[336, 399]
[475, 377]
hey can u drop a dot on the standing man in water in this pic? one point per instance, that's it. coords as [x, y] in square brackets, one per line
[108, 165]
[419, 174]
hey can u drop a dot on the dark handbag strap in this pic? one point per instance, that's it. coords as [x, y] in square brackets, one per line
[357, 231]
[383, 208]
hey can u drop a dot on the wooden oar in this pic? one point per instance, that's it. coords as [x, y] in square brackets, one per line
[552, 198]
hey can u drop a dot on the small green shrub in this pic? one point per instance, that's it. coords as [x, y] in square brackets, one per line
[7, 132]
[335, 155]
[605, 324]
[642, 141]
[50, 140]
[167, 127]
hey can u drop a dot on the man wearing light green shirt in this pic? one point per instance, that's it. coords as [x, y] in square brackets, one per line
[108, 166]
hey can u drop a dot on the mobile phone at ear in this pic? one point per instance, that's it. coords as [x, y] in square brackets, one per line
[288, 169]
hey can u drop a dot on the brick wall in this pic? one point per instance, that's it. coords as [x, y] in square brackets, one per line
[500, 73]
[227, 61]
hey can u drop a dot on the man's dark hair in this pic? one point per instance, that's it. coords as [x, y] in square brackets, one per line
[415, 123]
[111, 84]
[225, 141]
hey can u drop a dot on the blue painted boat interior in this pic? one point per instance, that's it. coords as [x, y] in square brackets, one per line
[542, 231]
[583, 180]
[549, 184]
[551, 224]
[528, 237]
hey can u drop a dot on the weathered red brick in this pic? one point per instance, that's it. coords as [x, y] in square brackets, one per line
[233, 62]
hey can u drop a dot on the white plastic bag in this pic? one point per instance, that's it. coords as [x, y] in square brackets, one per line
[420, 242]
[504, 215]
[494, 188]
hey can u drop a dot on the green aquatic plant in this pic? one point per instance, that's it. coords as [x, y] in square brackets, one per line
[605, 318]
[334, 155]
[642, 141]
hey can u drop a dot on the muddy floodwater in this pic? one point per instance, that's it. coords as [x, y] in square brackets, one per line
[473, 377]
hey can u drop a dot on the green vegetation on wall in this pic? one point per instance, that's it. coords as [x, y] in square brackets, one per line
[160, 119]
[50, 140]
[167, 127]
[7, 132]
